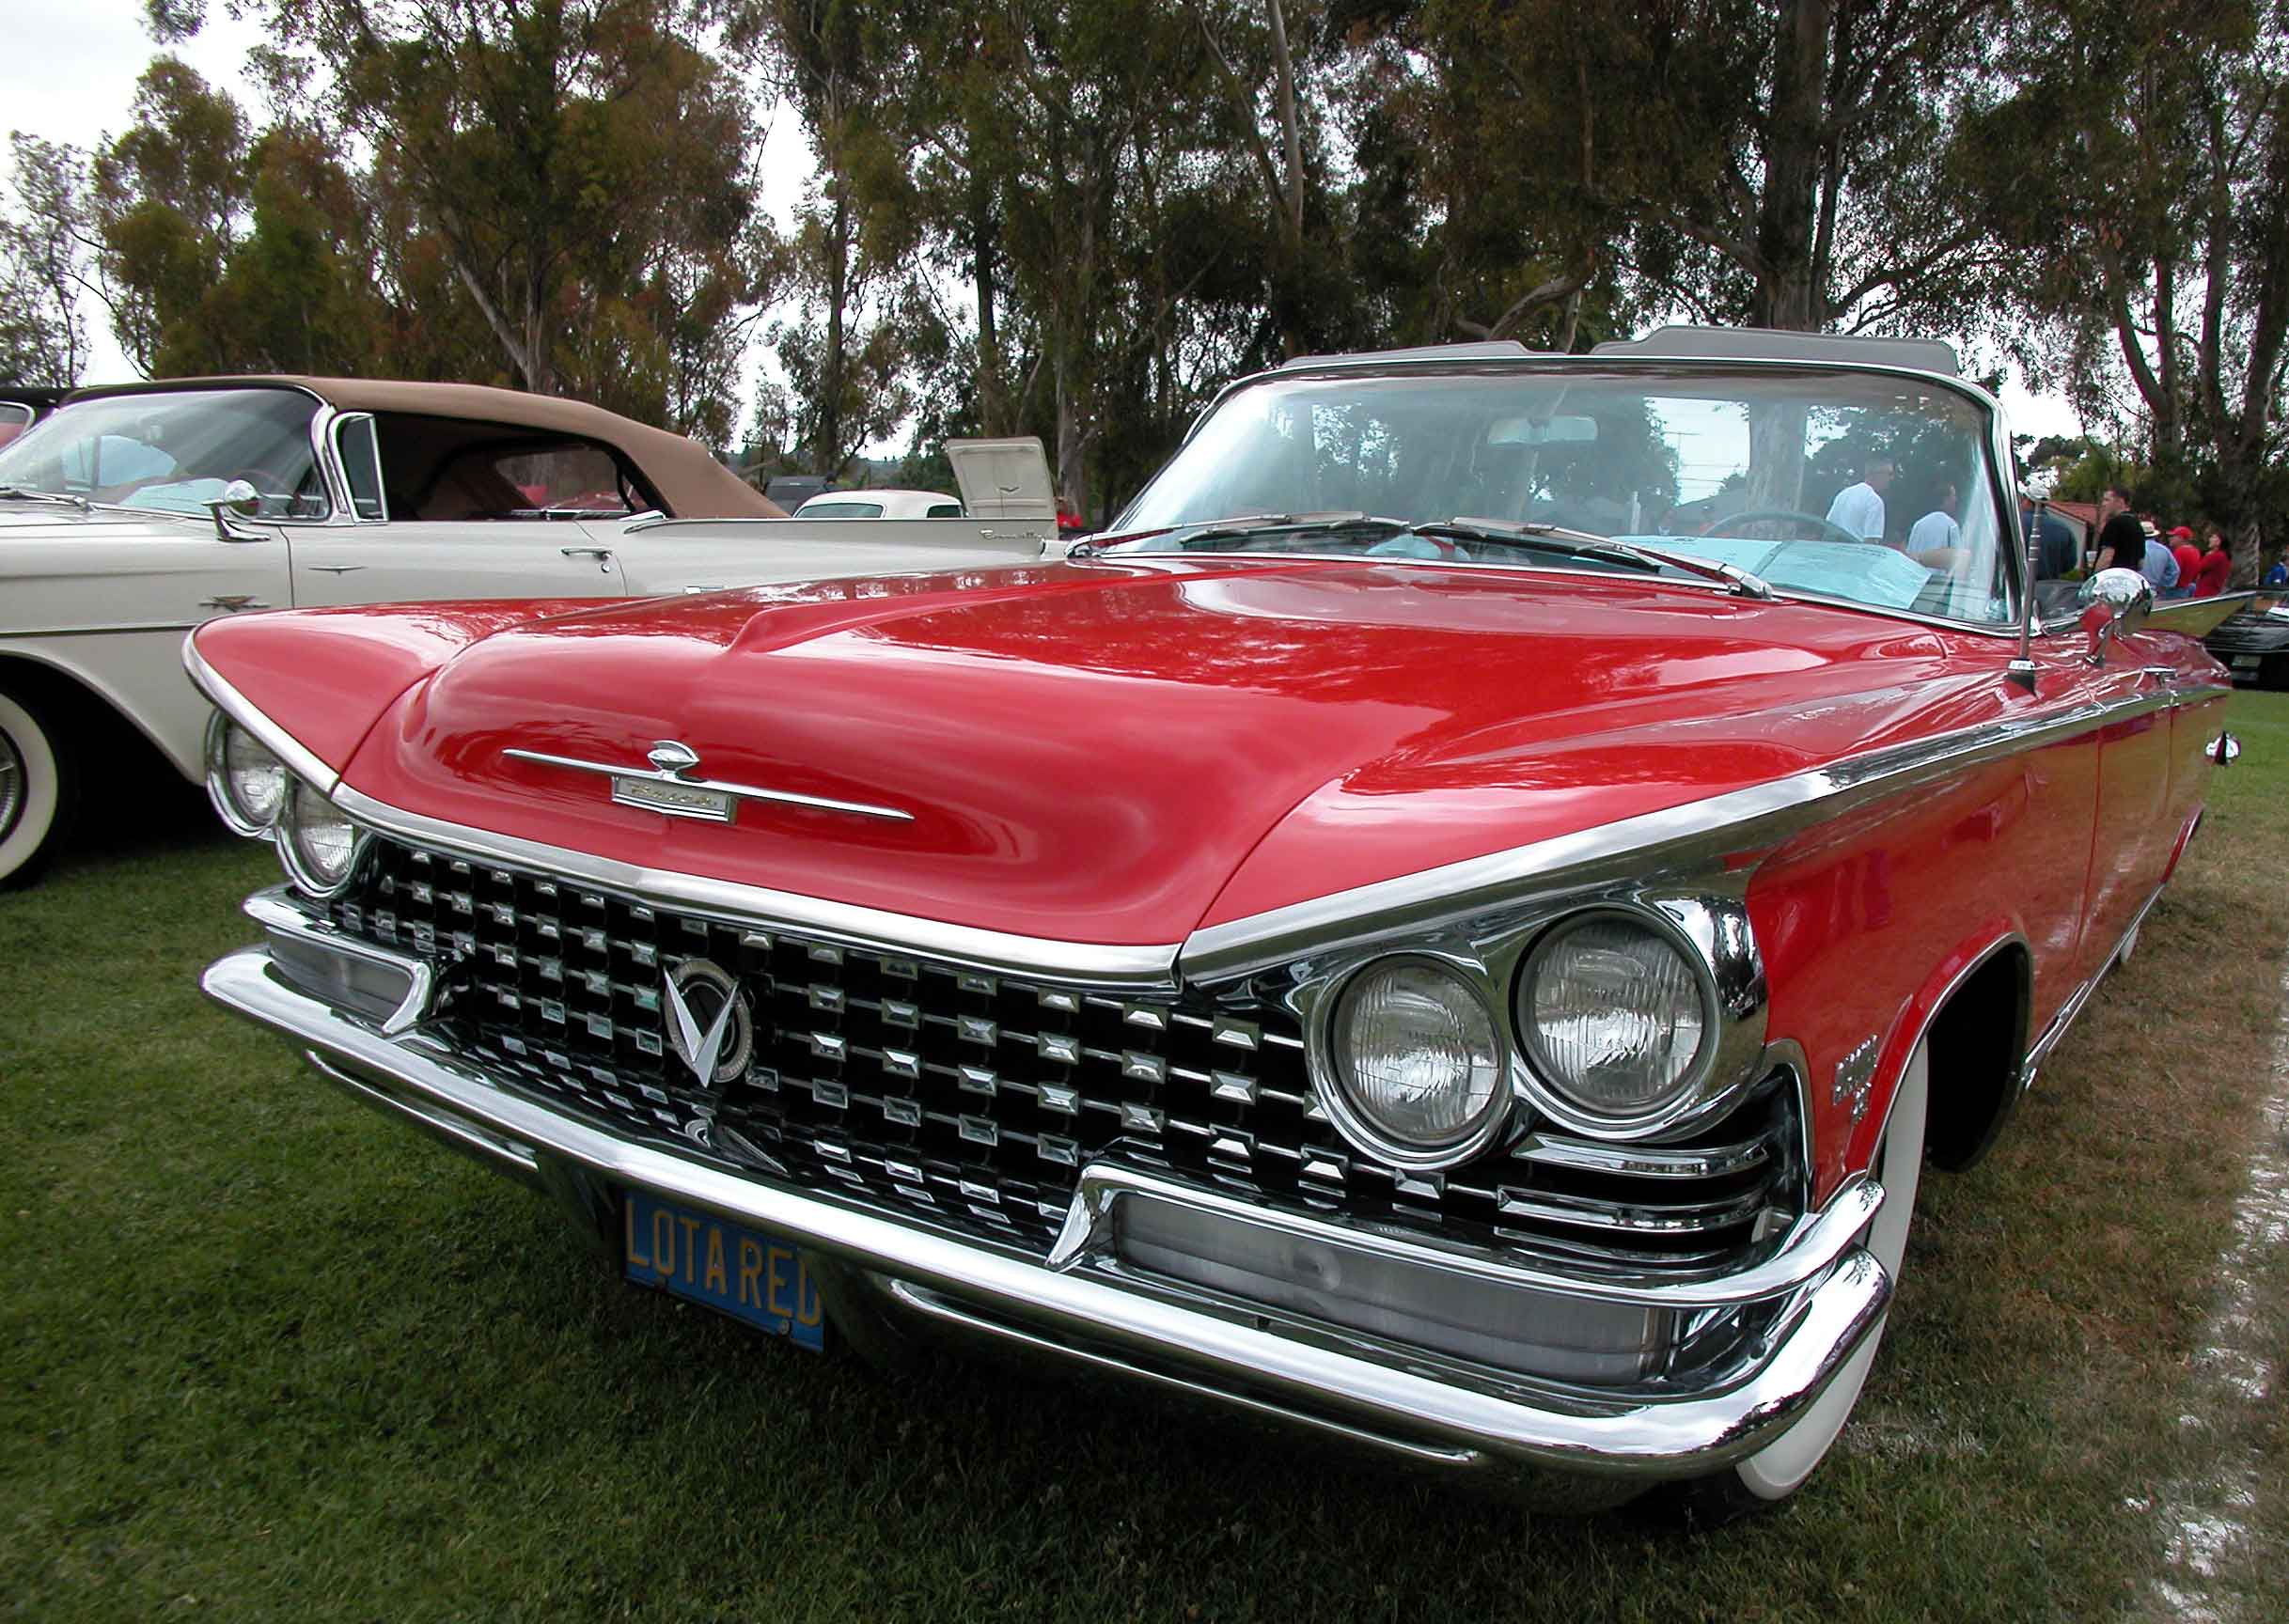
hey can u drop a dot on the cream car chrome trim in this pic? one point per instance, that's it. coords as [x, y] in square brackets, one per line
[1686, 836]
[341, 465]
[1095, 963]
[103, 630]
[297, 758]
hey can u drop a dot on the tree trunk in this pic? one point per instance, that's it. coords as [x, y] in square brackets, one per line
[2169, 436]
[510, 340]
[1788, 282]
[539, 367]
[2241, 491]
[1071, 435]
[991, 396]
[827, 449]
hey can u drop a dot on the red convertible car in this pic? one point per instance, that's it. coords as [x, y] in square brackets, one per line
[1390, 937]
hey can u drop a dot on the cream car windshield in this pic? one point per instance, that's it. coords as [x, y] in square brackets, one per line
[174, 452]
[1822, 482]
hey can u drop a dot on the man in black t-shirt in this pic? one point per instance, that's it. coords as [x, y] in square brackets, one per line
[2122, 543]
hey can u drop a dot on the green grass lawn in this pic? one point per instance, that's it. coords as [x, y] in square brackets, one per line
[269, 1356]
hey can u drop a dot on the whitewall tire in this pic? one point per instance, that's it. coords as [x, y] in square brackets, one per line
[1780, 1468]
[36, 788]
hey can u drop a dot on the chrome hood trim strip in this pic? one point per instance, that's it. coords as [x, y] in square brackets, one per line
[298, 759]
[1094, 963]
[739, 791]
[1679, 838]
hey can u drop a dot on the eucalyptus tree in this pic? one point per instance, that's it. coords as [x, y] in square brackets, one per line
[1770, 161]
[572, 174]
[2139, 167]
[45, 238]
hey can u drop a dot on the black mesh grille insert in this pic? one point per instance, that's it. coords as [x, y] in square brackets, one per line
[976, 1099]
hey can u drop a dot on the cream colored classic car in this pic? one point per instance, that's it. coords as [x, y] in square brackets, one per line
[135, 513]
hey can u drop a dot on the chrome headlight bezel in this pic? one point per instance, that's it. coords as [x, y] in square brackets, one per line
[220, 794]
[1327, 1060]
[308, 875]
[1552, 1095]
[1707, 922]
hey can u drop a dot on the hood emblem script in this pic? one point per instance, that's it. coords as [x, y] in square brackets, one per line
[669, 787]
[709, 1026]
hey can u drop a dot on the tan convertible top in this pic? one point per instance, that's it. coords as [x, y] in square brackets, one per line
[691, 483]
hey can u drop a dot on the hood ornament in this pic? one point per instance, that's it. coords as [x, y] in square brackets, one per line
[669, 788]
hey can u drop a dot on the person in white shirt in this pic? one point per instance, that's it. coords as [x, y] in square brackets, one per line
[1858, 509]
[1938, 530]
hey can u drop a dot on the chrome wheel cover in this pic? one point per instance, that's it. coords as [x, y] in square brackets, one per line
[12, 785]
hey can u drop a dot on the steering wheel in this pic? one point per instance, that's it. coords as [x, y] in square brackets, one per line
[1768, 515]
[1424, 547]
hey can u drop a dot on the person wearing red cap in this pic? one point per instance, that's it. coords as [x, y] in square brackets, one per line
[2189, 561]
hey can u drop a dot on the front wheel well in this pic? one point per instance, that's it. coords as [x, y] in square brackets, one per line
[1977, 1046]
[96, 733]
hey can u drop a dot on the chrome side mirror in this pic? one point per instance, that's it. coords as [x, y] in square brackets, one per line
[2115, 602]
[240, 500]
[2224, 750]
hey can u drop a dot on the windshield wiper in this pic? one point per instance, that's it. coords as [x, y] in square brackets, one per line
[1586, 544]
[1181, 537]
[18, 494]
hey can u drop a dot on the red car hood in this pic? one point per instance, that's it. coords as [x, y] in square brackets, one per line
[1120, 752]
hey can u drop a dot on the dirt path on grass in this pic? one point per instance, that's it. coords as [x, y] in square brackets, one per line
[2212, 1526]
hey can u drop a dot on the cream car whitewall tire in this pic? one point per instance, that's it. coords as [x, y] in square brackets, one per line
[37, 783]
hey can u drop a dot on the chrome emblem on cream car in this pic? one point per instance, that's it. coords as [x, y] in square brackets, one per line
[667, 788]
[697, 990]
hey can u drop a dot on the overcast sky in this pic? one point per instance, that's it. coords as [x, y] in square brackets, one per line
[68, 74]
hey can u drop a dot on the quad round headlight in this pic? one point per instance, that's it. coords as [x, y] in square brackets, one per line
[1417, 1062]
[246, 783]
[319, 845]
[1616, 1018]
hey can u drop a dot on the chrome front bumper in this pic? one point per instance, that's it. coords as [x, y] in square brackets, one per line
[1083, 1306]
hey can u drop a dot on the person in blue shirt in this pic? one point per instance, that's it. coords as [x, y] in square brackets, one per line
[2160, 565]
[2279, 574]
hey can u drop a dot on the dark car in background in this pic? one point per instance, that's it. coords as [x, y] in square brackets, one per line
[2254, 644]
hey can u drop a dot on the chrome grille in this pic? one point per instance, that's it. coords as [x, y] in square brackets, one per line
[976, 1099]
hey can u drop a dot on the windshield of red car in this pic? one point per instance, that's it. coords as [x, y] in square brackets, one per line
[175, 451]
[1825, 482]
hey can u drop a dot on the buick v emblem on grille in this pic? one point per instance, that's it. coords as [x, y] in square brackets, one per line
[695, 992]
[669, 788]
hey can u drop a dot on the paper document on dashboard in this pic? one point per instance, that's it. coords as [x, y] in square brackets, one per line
[1861, 571]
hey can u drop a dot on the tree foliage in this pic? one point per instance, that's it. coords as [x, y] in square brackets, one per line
[1080, 218]
[43, 259]
[2140, 172]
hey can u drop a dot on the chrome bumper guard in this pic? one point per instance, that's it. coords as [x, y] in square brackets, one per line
[1822, 1290]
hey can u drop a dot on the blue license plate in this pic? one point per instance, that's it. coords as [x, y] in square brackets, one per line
[741, 1271]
